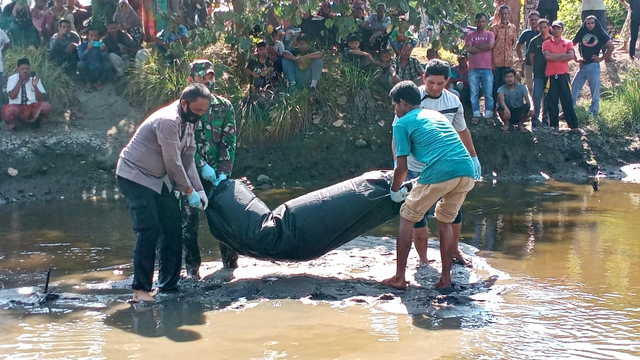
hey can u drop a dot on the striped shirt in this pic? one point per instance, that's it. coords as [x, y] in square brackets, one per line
[448, 105]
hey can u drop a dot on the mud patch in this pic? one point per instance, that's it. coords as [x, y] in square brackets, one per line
[347, 276]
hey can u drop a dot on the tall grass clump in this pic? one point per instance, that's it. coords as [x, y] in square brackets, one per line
[620, 109]
[154, 84]
[353, 80]
[58, 84]
[276, 119]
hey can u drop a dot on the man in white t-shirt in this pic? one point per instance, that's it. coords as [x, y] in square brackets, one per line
[435, 97]
[26, 98]
[4, 45]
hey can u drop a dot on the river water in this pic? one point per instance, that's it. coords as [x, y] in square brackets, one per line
[572, 254]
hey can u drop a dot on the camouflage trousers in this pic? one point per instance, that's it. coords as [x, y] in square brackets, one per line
[190, 246]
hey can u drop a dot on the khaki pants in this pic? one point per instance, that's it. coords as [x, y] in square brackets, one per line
[528, 77]
[422, 197]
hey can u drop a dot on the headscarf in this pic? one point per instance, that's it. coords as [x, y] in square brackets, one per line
[598, 31]
[129, 20]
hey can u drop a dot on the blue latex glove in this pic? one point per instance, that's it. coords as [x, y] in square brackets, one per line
[194, 200]
[220, 179]
[400, 195]
[477, 169]
[208, 173]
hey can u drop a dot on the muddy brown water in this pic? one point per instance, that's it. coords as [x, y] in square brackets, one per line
[571, 253]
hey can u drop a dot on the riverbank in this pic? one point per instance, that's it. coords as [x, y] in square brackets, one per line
[75, 154]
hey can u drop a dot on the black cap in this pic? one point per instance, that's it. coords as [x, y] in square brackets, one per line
[557, 23]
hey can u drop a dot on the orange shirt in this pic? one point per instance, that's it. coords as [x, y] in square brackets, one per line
[557, 47]
[506, 37]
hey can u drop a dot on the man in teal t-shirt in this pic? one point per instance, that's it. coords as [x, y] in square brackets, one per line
[446, 178]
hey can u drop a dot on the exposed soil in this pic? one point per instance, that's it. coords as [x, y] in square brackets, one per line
[75, 154]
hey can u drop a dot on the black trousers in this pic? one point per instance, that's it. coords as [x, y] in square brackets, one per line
[156, 222]
[549, 14]
[635, 24]
[559, 88]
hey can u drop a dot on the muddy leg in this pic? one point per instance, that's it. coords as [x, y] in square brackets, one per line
[420, 240]
[446, 253]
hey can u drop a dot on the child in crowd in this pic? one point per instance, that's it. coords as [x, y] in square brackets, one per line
[42, 19]
[459, 78]
[385, 76]
[400, 35]
[260, 67]
[354, 55]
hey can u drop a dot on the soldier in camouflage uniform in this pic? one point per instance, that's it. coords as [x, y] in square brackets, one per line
[216, 146]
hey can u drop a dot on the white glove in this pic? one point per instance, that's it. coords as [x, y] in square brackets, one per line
[400, 195]
[204, 199]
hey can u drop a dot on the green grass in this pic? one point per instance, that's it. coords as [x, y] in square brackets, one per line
[619, 113]
[59, 85]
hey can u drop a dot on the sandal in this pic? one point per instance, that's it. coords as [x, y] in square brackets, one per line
[490, 121]
[555, 131]
[475, 120]
[99, 87]
[87, 88]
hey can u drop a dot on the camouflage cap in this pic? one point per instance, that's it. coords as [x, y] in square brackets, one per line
[201, 67]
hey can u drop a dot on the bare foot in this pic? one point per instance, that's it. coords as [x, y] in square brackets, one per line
[395, 282]
[141, 295]
[441, 284]
[425, 263]
[461, 258]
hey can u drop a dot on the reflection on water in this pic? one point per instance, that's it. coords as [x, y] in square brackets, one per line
[572, 253]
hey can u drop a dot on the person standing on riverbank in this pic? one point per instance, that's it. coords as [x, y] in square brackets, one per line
[591, 39]
[479, 44]
[446, 178]
[559, 51]
[215, 152]
[158, 159]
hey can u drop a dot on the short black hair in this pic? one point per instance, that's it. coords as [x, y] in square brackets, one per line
[303, 37]
[194, 92]
[353, 37]
[480, 16]
[407, 91]
[112, 22]
[509, 71]
[62, 21]
[543, 21]
[534, 13]
[385, 51]
[24, 61]
[91, 29]
[505, 7]
[261, 44]
[437, 67]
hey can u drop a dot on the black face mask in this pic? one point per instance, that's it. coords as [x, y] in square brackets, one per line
[189, 116]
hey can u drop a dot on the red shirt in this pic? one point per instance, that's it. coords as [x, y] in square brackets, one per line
[557, 47]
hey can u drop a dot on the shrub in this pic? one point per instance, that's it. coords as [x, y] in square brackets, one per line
[59, 85]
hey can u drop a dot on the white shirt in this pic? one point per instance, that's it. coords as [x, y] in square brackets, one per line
[4, 39]
[448, 105]
[278, 46]
[31, 91]
[594, 5]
